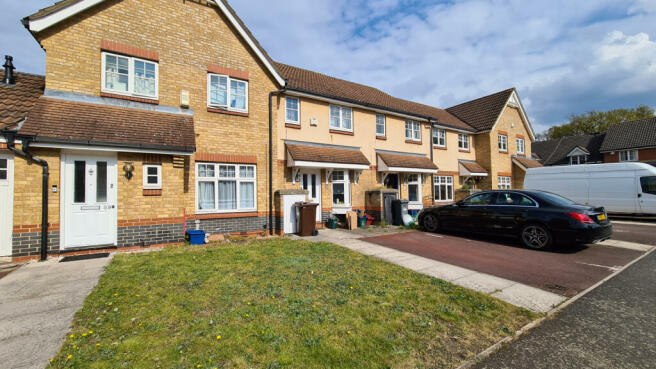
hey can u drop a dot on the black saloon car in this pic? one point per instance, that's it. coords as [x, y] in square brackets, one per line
[538, 218]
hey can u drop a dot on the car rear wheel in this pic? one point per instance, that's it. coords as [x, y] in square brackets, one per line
[430, 223]
[536, 237]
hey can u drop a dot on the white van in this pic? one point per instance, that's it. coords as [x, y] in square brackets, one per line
[628, 188]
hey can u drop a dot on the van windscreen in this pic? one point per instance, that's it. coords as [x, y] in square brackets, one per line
[648, 185]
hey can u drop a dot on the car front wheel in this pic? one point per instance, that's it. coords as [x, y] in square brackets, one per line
[430, 223]
[536, 237]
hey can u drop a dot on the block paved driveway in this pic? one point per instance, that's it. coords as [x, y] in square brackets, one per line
[564, 272]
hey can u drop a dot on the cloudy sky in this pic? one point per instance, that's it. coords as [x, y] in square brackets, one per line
[564, 57]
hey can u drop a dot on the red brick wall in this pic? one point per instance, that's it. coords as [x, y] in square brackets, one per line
[643, 155]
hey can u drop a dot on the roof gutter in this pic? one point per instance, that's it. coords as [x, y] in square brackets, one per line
[10, 137]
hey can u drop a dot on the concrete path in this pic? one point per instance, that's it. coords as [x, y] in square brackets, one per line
[37, 304]
[613, 326]
[510, 291]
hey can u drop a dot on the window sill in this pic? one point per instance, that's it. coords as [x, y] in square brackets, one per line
[227, 112]
[153, 101]
[413, 142]
[340, 132]
[465, 151]
[439, 147]
[293, 125]
[152, 192]
[382, 138]
[503, 152]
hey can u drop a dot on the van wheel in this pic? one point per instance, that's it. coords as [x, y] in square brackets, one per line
[430, 223]
[536, 237]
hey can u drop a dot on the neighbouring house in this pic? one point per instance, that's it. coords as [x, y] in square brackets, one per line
[149, 126]
[624, 142]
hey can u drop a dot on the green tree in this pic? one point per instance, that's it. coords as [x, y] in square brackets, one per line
[596, 122]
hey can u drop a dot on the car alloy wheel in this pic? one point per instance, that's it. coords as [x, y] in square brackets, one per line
[536, 237]
[430, 223]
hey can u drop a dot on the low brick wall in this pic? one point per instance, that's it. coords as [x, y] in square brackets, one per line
[150, 235]
[29, 243]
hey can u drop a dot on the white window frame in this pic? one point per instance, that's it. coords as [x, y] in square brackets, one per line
[5, 170]
[228, 83]
[414, 128]
[628, 155]
[463, 142]
[439, 134]
[347, 188]
[503, 142]
[131, 76]
[381, 118]
[521, 146]
[298, 110]
[238, 179]
[418, 183]
[578, 159]
[151, 186]
[505, 183]
[440, 181]
[342, 111]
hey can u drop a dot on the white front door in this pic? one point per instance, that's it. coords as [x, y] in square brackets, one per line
[6, 203]
[311, 182]
[89, 199]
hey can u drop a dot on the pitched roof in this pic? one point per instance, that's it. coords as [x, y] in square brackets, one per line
[527, 163]
[407, 161]
[62, 121]
[326, 154]
[304, 80]
[472, 166]
[16, 100]
[482, 113]
[223, 5]
[554, 152]
[630, 135]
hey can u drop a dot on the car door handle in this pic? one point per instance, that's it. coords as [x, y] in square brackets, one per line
[639, 195]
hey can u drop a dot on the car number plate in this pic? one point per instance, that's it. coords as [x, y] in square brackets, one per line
[602, 217]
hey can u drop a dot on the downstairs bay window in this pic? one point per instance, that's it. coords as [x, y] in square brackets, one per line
[224, 188]
[443, 188]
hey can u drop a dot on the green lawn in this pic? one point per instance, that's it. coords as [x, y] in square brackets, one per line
[278, 304]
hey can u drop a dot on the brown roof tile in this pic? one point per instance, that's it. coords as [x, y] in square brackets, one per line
[483, 112]
[473, 167]
[16, 100]
[326, 154]
[320, 84]
[528, 163]
[407, 161]
[53, 120]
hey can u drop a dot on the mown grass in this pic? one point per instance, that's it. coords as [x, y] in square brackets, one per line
[278, 304]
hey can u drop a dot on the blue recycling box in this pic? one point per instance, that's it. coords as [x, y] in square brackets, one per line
[196, 237]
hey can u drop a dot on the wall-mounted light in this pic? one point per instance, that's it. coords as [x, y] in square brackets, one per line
[128, 168]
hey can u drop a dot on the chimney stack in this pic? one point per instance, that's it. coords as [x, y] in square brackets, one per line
[9, 71]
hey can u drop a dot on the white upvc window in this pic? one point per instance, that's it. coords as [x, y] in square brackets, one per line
[521, 146]
[503, 143]
[463, 142]
[443, 188]
[292, 110]
[578, 159]
[152, 176]
[225, 92]
[380, 125]
[629, 155]
[439, 138]
[129, 76]
[505, 183]
[412, 130]
[414, 188]
[4, 169]
[341, 188]
[225, 188]
[341, 118]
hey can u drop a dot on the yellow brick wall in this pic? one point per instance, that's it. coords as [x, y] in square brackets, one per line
[27, 188]
[188, 36]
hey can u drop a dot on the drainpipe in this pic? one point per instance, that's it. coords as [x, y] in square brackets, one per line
[271, 95]
[10, 136]
[432, 150]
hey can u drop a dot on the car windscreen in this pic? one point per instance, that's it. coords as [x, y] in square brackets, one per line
[556, 199]
[648, 185]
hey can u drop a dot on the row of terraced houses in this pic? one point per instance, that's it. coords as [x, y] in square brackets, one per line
[158, 116]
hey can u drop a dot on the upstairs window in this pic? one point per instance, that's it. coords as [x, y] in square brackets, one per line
[227, 93]
[463, 142]
[629, 155]
[292, 110]
[341, 118]
[578, 159]
[130, 76]
[380, 125]
[439, 138]
[503, 143]
[520, 146]
[412, 131]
